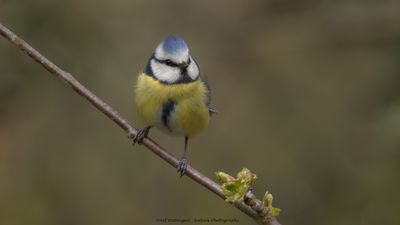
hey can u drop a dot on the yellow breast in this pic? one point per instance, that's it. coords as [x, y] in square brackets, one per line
[190, 115]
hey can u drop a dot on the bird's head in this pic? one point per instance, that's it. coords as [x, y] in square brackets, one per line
[171, 62]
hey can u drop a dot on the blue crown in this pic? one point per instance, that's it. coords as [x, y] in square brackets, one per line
[174, 44]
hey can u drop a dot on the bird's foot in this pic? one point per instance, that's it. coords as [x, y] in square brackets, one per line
[182, 165]
[141, 135]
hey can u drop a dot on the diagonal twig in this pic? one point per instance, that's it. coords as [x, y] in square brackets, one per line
[120, 121]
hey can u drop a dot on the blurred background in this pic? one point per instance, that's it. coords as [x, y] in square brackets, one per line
[308, 94]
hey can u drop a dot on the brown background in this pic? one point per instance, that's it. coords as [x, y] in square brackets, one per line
[308, 94]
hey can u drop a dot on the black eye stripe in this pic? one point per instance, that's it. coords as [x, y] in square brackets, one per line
[168, 62]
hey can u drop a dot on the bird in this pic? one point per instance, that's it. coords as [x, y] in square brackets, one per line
[173, 95]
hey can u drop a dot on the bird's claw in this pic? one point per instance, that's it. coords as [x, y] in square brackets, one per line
[182, 166]
[141, 135]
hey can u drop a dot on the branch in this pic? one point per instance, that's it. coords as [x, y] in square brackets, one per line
[121, 122]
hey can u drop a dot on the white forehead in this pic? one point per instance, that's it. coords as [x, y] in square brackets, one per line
[180, 56]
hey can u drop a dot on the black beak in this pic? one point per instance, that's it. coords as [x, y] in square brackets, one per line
[183, 65]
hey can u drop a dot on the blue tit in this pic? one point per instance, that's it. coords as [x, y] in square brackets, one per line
[172, 95]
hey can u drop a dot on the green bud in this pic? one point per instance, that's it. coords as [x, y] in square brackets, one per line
[235, 188]
[223, 177]
[246, 177]
[267, 200]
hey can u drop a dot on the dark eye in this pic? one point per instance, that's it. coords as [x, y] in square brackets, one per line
[169, 62]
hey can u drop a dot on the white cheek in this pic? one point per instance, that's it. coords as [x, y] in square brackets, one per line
[160, 53]
[165, 73]
[193, 70]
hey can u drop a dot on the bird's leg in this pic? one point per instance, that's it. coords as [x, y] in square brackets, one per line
[141, 135]
[182, 165]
